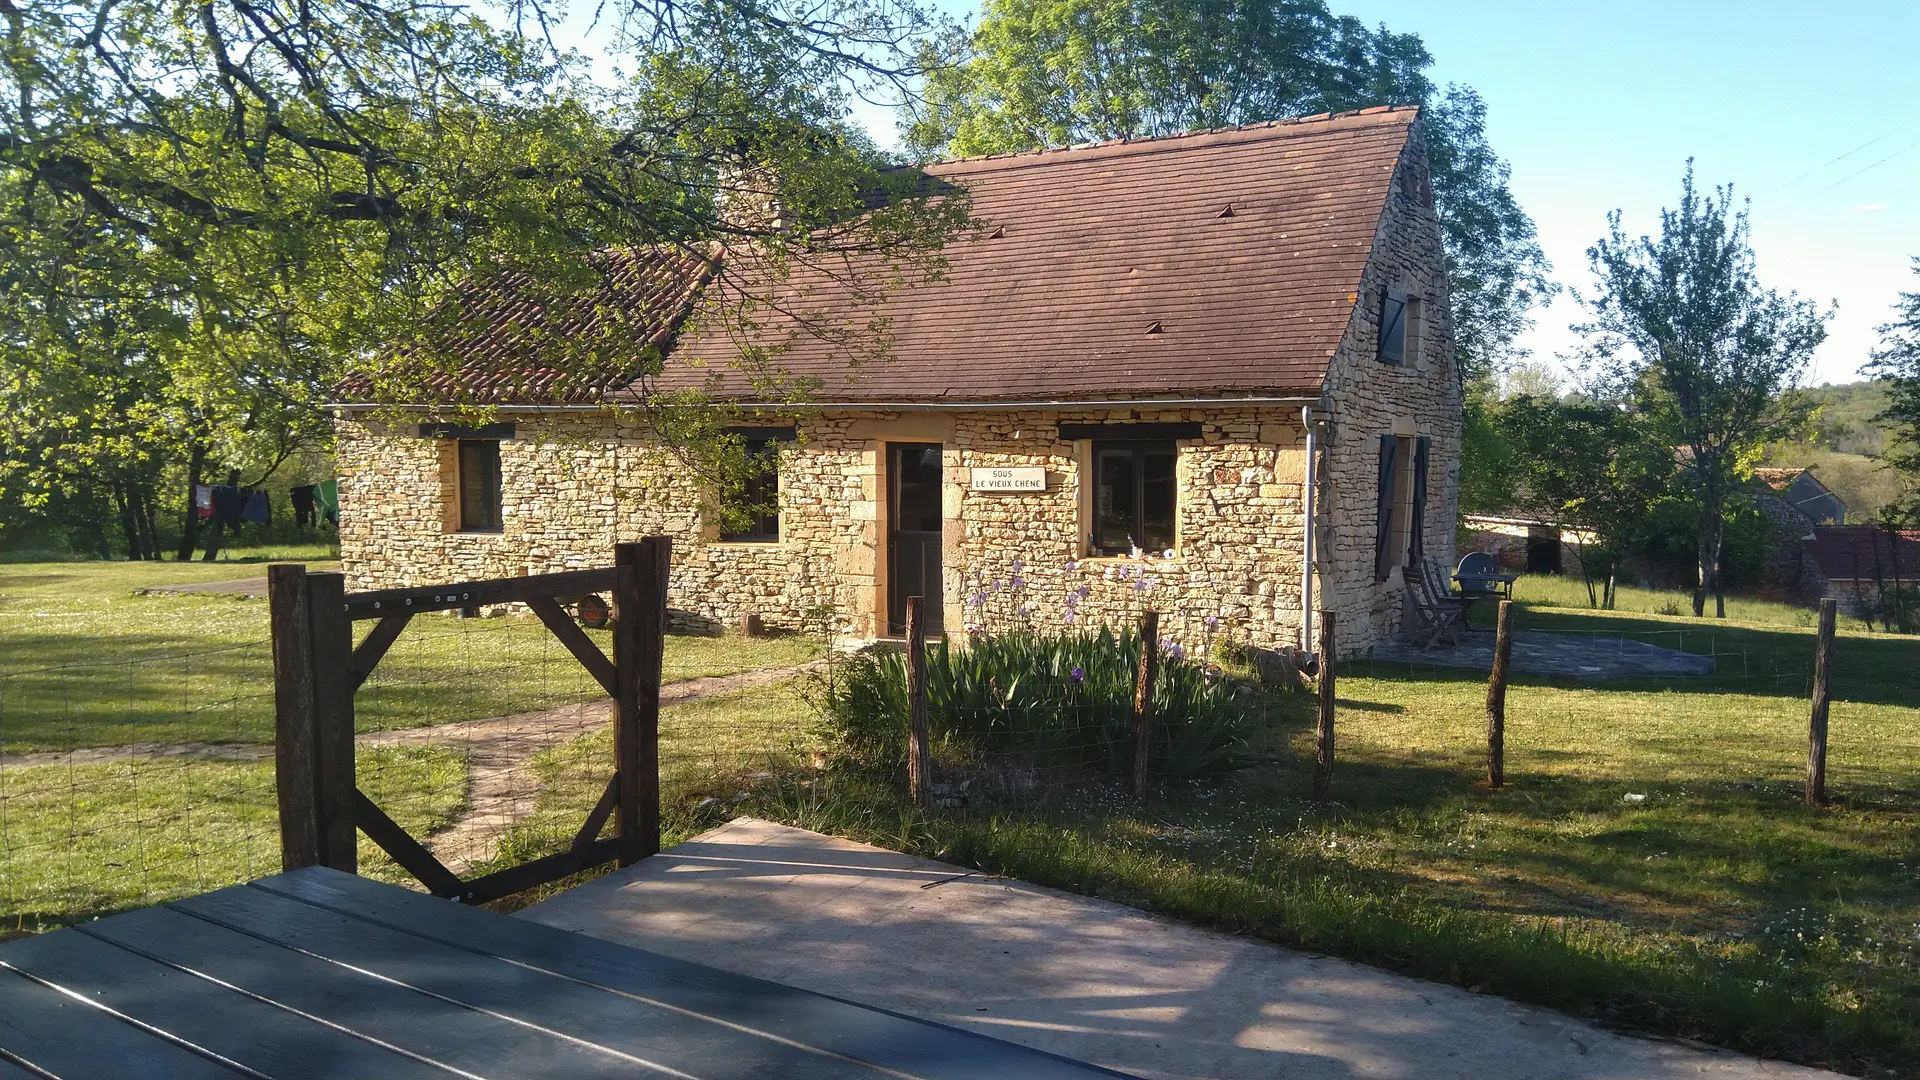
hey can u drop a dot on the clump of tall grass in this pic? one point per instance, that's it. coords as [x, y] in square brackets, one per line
[1050, 700]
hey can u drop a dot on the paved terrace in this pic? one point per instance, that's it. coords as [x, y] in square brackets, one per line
[1084, 978]
[1584, 657]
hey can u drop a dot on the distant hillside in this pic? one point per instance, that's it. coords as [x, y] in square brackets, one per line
[1844, 445]
[1845, 423]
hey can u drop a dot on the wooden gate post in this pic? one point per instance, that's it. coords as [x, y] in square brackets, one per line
[1817, 728]
[639, 644]
[919, 752]
[1323, 733]
[1497, 697]
[1143, 697]
[313, 718]
[333, 687]
[295, 768]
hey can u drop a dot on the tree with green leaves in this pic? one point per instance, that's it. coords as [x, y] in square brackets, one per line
[1683, 329]
[1038, 73]
[240, 198]
[1589, 468]
[1897, 360]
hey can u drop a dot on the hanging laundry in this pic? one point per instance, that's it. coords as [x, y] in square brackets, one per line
[257, 509]
[227, 504]
[327, 495]
[202, 500]
[302, 499]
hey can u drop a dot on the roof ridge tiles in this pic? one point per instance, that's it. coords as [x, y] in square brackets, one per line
[1287, 123]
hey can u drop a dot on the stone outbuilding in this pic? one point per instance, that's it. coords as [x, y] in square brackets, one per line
[1210, 374]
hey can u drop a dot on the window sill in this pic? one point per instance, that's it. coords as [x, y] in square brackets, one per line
[1128, 560]
[746, 541]
[476, 532]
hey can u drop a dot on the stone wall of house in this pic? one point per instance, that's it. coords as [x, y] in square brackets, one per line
[1366, 399]
[573, 485]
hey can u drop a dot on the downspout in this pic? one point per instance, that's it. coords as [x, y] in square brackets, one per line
[1306, 537]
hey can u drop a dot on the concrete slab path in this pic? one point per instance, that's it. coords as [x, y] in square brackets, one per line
[1084, 978]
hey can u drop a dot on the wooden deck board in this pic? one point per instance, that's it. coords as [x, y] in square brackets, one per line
[447, 1033]
[319, 974]
[68, 1038]
[205, 1014]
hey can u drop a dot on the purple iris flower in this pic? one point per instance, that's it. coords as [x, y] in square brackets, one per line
[1077, 675]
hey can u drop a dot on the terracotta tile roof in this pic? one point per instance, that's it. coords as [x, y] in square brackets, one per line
[1778, 478]
[1114, 270]
[504, 356]
[1849, 552]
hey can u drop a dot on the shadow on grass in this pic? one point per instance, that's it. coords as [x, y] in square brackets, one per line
[1771, 661]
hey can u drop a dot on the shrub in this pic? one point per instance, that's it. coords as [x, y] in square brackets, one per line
[1060, 700]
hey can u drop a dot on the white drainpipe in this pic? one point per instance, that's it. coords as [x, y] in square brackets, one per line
[1306, 540]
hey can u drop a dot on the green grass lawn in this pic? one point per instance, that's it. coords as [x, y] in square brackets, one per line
[88, 840]
[84, 661]
[713, 755]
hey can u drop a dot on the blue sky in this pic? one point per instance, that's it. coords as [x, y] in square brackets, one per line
[1598, 106]
[1809, 108]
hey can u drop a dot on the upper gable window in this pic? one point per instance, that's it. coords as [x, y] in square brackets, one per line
[1400, 318]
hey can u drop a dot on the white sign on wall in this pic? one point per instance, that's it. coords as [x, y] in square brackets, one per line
[1025, 478]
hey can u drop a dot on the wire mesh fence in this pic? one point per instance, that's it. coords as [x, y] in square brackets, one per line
[125, 782]
[1025, 715]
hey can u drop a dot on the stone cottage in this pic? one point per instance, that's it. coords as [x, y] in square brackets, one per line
[1210, 374]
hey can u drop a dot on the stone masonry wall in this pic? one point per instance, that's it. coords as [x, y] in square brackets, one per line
[573, 485]
[1366, 399]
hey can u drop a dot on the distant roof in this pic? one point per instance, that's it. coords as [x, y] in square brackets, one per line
[509, 320]
[1217, 262]
[1865, 552]
[1778, 478]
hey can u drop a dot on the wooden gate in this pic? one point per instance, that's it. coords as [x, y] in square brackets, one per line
[317, 669]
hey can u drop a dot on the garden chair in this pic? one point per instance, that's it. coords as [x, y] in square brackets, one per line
[1438, 612]
[1479, 575]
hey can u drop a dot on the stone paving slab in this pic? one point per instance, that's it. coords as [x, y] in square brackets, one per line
[1084, 978]
[1589, 658]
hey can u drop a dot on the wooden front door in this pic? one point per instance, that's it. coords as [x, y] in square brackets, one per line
[913, 533]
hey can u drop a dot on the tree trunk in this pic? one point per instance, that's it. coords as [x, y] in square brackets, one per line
[1613, 581]
[149, 528]
[126, 521]
[1586, 575]
[1713, 527]
[190, 521]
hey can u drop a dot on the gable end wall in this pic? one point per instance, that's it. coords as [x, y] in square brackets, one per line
[1366, 399]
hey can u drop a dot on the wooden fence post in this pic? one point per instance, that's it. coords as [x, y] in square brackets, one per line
[1817, 729]
[295, 771]
[919, 752]
[1143, 697]
[1323, 741]
[639, 643]
[1497, 697]
[333, 687]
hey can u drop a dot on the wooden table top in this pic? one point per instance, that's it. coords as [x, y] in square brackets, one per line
[319, 974]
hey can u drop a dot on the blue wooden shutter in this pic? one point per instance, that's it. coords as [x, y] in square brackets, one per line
[1393, 326]
[1385, 514]
[1419, 522]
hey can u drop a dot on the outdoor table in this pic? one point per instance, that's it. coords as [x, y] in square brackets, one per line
[1502, 583]
[320, 974]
